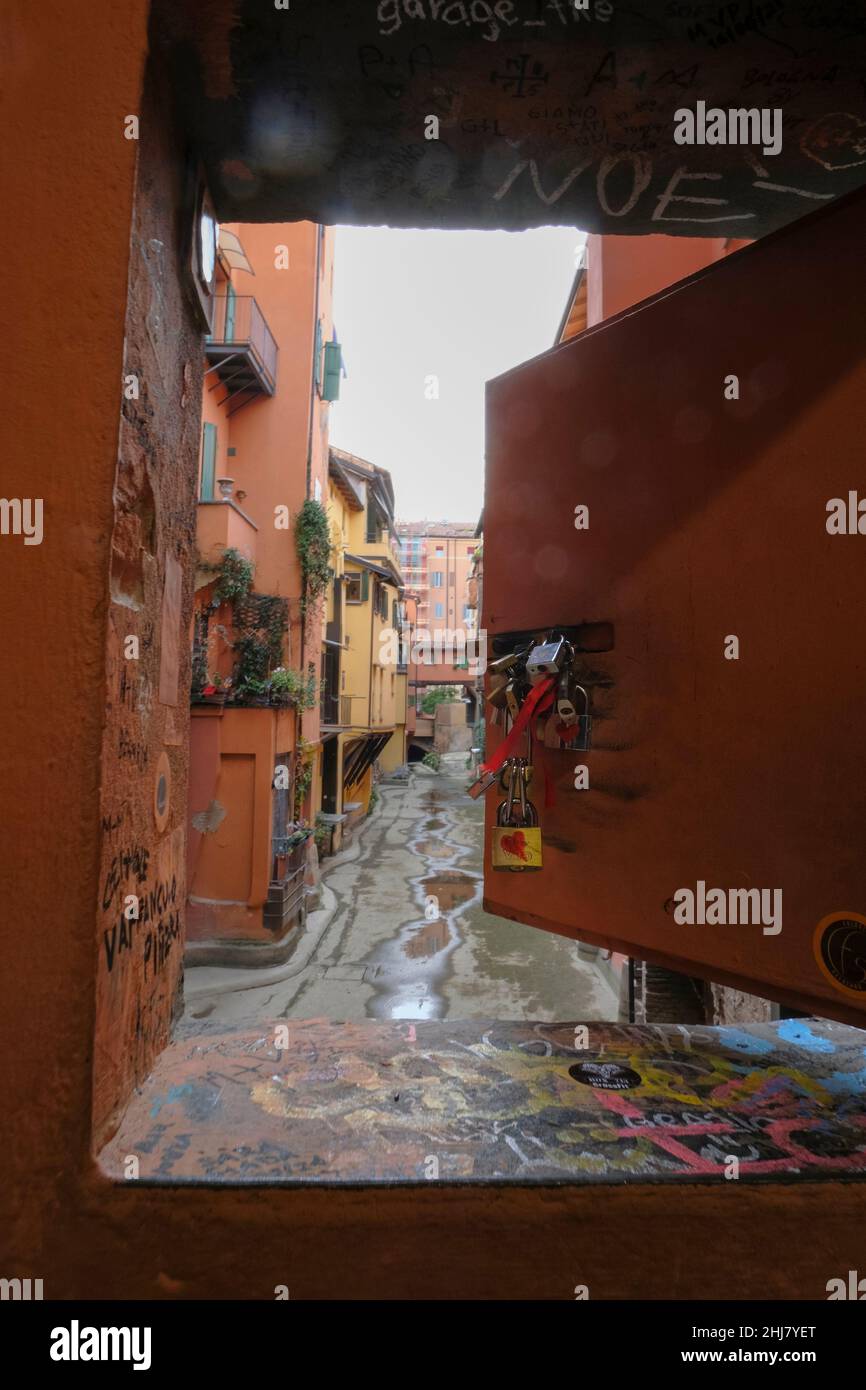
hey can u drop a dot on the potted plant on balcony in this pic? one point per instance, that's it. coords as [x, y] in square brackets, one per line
[253, 691]
[212, 690]
[292, 688]
[299, 834]
[285, 686]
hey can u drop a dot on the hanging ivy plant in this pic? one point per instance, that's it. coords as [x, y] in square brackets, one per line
[313, 542]
[303, 777]
[257, 631]
[234, 577]
[260, 622]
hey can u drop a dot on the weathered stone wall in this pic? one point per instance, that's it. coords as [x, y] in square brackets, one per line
[451, 732]
[735, 1006]
[145, 738]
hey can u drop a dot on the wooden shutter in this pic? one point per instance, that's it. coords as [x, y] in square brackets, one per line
[708, 519]
[317, 355]
[333, 364]
[208, 462]
[365, 585]
[230, 314]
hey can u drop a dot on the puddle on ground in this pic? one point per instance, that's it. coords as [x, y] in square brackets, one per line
[433, 849]
[411, 969]
[451, 886]
[426, 941]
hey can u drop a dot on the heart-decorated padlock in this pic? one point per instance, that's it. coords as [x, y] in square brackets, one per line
[516, 835]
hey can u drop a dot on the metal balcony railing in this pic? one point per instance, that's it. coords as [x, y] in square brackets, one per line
[329, 707]
[335, 709]
[241, 346]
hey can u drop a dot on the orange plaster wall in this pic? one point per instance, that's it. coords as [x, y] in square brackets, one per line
[271, 438]
[272, 435]
[233, 862]
[623, 270]
[707, 518]
[66, 184]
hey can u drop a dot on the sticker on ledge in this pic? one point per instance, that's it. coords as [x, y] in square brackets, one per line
[839, 944]
[605, 1076]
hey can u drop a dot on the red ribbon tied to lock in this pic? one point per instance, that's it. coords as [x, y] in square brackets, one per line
[539, 699]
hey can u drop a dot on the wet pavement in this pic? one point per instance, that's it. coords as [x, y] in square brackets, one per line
[409, 938]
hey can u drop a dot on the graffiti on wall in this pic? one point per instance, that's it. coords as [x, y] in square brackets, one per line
[347, 1102]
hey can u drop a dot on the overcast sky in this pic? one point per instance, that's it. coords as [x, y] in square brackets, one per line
[463, 306]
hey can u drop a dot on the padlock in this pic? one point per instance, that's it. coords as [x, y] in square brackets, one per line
[498, 686]
[548, 658]
[584, 733]
[565, 708]
[516, 842]
[512, 702]
[482, 782]
[573, 731]
[528, 772]
[502, 664]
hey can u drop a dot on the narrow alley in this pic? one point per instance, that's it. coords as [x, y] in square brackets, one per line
[379, 948]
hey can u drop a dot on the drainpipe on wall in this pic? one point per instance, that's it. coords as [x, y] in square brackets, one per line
[313, 373]
[370, 683]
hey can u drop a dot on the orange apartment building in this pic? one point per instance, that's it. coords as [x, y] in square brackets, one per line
[272, 367]
[616, 272]
[437, 560]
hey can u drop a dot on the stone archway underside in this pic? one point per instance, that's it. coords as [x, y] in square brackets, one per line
[546, 114]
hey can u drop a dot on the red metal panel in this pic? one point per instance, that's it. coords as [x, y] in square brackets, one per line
[707, 519]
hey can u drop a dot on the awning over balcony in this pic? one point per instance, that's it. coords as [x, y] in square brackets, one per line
[361, 755]
[232, 252]
[368, 564]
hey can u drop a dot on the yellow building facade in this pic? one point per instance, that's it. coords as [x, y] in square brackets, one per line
[364, 685]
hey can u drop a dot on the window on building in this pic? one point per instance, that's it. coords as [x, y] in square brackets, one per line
[440, 550]
[208, 462]
[439, 611]
[436, 579]
[357, 587]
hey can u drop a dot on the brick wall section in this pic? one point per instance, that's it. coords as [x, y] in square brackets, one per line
[145, 736]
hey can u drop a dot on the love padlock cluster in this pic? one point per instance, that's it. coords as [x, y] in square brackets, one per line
[563, 718]
[535, 690]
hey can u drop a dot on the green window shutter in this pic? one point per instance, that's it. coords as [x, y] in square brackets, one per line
[365, 585]
[208, 462]
[333, 366]
[317, 355]
[230, 314]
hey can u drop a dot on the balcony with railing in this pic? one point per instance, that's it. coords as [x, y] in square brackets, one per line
[335, 710]
[241, 350]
